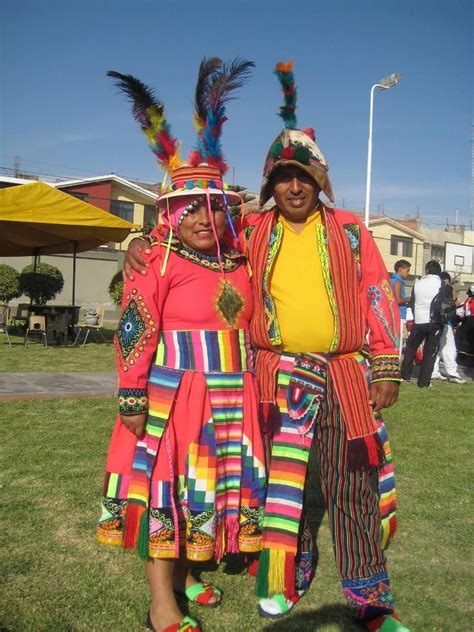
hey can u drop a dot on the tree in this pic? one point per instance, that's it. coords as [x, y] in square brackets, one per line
[116, 288]
[9, 283]
[43, 285]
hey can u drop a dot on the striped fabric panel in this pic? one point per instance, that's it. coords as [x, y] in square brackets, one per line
[224, 351]
[345, 284]
[290, 453]
[162, 386]
[115, 485]
[227, 399]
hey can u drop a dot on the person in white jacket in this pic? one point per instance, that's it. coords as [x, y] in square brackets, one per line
[424, 331]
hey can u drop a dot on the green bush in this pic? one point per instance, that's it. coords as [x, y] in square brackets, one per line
[9, 283]
[43, 285]
[116, 288]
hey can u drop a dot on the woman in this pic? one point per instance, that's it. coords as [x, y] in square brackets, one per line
[185, 478]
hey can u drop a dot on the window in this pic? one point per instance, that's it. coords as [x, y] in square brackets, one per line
[437, 253]
[80, 196]
[401, 246]
[122, 209]
[149, 216]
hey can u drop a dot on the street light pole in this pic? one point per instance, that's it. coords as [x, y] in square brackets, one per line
[383, 84]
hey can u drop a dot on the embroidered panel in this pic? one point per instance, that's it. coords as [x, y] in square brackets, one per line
[273, 328]
[231, 259]
[369, 597]
[381, 296]
[353, 235]
[110, 526]
[385, 368]
[133, 401]
[250, 529]
[228, 303]
[324, 256]
[130, 328]
[135, 327]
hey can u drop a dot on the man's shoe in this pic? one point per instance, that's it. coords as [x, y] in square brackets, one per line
[278, 606]
[456, 379]
[386, 623]
[438, 376]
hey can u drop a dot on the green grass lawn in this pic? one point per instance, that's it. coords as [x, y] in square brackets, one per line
[93, 357]
[56, 578]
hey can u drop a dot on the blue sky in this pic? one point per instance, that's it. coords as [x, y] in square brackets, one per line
[62, 115]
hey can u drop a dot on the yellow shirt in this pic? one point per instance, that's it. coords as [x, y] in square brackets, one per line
[297, 286]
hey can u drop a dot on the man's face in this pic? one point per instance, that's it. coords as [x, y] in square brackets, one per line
[295, 192]
[404, 272]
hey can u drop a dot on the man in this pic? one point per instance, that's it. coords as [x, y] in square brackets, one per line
[447, 345]
[320, 286]
[424, 331]
[397, 282]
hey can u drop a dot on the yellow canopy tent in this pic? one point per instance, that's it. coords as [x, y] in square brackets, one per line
[39, 219]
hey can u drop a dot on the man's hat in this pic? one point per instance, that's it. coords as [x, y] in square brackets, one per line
[294, 146]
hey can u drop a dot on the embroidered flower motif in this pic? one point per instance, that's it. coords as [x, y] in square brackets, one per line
[374, 294]
[387, 289]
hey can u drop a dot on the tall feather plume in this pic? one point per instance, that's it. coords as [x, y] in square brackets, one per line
[148, 111]
[216, 84]
[285, 75]
[208, 67]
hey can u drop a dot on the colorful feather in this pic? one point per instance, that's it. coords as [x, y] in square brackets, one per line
[149, 113]
[208, 67]
[285, 75]
[216, 84]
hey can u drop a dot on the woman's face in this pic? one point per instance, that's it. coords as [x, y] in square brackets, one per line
[195, 230]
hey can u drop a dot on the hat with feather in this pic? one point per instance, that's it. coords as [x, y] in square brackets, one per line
[294, 146]
[201, 176]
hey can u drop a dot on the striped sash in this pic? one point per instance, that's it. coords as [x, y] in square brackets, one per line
[224, 351]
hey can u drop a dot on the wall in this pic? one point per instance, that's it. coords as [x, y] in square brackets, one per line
[382, 235]
[99, 193]
[128, 195]
[94, 271]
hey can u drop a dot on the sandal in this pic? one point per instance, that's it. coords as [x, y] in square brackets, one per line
[278, 605]
[386, 623]
[201, 592]
[188, 624]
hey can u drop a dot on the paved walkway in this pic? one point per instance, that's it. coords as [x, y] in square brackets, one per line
[15, 386]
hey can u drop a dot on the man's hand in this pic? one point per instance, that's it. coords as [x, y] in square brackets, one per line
[134, 260]
[383, 395]
[135, 423]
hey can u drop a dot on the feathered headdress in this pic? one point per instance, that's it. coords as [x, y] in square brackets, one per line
[285, 75]
[217, 81]
[292, 145]
[148, 111]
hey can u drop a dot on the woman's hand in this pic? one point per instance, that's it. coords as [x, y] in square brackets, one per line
[135, 423]
[134, 260]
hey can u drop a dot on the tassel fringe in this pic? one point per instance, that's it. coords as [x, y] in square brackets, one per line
[143, 537]
[365, 453]
[131, 525]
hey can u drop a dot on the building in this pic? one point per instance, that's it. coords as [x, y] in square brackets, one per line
[95, 268]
